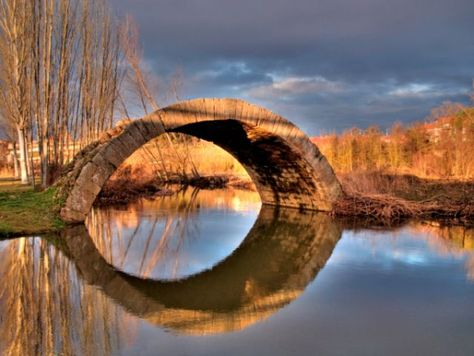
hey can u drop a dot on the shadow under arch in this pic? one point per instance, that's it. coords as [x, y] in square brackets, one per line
[282, 253]
[286, 167]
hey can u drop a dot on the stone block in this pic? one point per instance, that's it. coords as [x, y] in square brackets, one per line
[72, 216]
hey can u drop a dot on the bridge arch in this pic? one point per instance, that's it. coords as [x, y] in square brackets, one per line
[287, 168]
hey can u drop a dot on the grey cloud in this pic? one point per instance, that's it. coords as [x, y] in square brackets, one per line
[231, 74]
[374, 47]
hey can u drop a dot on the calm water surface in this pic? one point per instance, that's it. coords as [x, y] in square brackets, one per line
[210, 273]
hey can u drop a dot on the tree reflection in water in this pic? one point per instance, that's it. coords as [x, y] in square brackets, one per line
[45, 309]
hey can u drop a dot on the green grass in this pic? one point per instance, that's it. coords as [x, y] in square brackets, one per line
[26, 212]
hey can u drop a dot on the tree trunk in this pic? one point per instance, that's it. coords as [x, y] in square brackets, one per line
[16, 166]
[45, 163]
[23, 155]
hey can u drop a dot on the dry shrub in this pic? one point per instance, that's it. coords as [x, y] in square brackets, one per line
[376, 182]
[381, 207]
[393, 198]
[55, 172]
[127, 184]
[394, 209]
[139, 173]
[183, 156]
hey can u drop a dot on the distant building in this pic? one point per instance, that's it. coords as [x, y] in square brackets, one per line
[437, 128]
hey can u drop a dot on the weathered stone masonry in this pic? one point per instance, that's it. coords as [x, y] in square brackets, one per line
[286, 167]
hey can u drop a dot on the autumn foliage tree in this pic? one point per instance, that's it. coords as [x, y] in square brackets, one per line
[437, 148]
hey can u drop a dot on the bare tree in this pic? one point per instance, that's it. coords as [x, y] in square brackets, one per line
[11, 136]
[141, 87]
[15, 44]
[59, 78]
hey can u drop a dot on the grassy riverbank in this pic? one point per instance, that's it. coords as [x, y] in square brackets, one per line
[26, 212]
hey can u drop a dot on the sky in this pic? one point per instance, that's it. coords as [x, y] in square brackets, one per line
[324, 64]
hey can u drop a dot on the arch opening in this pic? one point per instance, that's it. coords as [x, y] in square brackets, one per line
[279, 173]
[170, 162]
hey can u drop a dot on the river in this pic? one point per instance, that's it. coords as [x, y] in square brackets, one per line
[214, 273]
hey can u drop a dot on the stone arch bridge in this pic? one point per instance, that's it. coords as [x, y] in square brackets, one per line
[287, 168]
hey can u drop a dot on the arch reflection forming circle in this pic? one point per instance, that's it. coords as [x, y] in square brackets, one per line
[280, 256]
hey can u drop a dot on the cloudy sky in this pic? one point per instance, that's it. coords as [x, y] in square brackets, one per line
[324, 64]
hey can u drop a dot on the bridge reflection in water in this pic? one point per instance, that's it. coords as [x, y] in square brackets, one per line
[59, 295]
[281, 255]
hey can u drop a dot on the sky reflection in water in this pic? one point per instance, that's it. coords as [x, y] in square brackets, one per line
[174, 237]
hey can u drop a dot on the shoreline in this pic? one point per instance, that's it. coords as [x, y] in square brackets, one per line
[24, 212]
[124, 191]
[387, 198]
[387, 211]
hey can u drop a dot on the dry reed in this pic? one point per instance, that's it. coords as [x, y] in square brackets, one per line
[393, 198]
